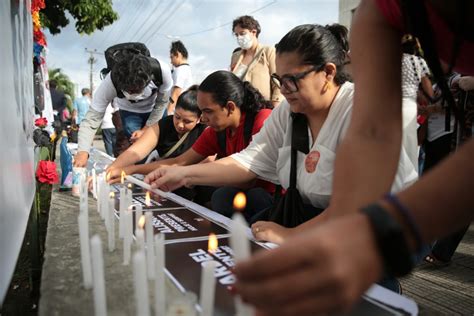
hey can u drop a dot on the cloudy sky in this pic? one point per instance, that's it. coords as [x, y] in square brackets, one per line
[204, 26]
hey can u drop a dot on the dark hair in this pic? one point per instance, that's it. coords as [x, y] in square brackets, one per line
[85, 91]
[132, 73]
[237, 49]
[318, 45]
[53, 83]
[225, 86]
[188, 100]
[247, 22]
[178, 47]
[410, 45]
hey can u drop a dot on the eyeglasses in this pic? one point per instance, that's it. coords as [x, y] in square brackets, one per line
[290, 82]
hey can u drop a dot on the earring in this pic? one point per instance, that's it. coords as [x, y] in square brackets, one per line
[327, 86]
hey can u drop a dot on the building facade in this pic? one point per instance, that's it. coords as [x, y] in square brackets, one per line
[346, 11]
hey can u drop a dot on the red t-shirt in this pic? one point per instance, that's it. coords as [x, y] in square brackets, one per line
[208, 145]
[444, 37]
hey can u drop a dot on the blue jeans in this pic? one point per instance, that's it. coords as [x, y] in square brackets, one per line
[257, 200]
[132, 121]
[108, 134]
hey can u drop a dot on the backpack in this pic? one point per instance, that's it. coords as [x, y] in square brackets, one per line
[248, 126]
[118, 52]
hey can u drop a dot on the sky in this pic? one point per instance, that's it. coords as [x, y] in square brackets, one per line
[204, 26]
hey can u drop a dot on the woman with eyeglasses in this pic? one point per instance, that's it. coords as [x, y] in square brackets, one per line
[310, 73]
[254, 62]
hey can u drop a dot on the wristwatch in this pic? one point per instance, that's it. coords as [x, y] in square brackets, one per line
[390, 239]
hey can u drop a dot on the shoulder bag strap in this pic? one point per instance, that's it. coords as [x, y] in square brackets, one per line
[178, 143]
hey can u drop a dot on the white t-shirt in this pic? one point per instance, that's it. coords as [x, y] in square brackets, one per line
[107, 120]
[106, 93]
[182, 77]
[268, 155]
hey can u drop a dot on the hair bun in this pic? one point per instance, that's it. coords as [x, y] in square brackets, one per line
[340, 33]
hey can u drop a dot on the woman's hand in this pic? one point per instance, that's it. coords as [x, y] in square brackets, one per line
[323, 270]
[271, 232]
[167, 178]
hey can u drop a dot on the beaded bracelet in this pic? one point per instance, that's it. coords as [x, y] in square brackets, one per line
[407, 216]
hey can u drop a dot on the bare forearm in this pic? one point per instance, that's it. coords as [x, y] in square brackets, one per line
[442, 200]
[222, 172]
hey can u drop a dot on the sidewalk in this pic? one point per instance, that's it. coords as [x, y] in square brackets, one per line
[448, 290]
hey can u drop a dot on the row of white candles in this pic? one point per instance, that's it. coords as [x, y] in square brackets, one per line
[149, 264]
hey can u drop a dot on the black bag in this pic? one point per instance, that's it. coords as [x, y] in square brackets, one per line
[289, 210]
[122, 51]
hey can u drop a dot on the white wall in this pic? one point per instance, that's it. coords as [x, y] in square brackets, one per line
[346, 9]
[16, 127]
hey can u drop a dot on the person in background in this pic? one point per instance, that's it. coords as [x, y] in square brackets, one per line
[81, 106]
[181, 73]
[108, 130]
[58, 98]
[254, 63]
[140, 102]
[331, 265]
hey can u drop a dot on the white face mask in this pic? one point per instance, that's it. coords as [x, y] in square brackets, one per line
[137, 96]
[245, 41]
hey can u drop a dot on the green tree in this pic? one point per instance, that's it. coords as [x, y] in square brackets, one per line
[64, 84]
[88, 14]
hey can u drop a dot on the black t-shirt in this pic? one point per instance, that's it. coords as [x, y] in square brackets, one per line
[169, 137]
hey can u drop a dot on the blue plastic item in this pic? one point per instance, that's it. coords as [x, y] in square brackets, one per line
[66, 162]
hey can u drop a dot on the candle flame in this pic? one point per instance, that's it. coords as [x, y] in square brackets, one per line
[112, 195]
[212, 244]
[130, 185]
[240, 200]
[141, 222]
[122, 177]
[147, 198]
[107, 177]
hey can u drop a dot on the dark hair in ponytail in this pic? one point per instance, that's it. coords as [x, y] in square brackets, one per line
[318, 45]
[225, 86]
[188, 100]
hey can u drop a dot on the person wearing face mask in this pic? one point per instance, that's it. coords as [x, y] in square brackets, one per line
[140, 101]
[254, 62]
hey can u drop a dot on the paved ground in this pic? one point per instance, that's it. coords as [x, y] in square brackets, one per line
[448, 290]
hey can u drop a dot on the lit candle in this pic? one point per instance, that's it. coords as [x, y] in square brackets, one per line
[85, 250]
[208, 281]
[141, 285]
[140, 233]
[105, 191]
[111, 227]
[147, 199]
[240, 246]
[100, 302]
[150, 249]
[122, 177]
[138, 212]
[160, 291]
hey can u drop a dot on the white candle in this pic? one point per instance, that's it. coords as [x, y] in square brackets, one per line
[105, 192]
[85, 250]
[83, 206]
[241, 248]
[127, 238]
[122, 208]
[160, 291]
[111, 227]
[146, 186]
[100, 302]
[150, 249]
[94, 184]
[141, 284]
[138, 212]
[99, 193]
[208, 286]
[140, 233]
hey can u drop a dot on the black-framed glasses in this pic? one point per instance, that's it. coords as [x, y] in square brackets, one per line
[290, 82]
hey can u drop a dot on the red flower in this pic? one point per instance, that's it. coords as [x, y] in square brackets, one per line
[41, 122]
[37, 5]
[46, 172]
